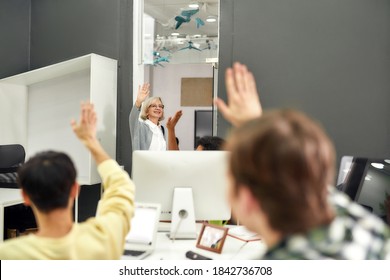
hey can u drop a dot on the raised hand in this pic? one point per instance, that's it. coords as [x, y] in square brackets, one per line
[85, 129]
[243, 98]
[143, 93]
[172, 121]
[171, 124]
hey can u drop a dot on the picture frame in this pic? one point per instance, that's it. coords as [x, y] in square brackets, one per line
[212, 238]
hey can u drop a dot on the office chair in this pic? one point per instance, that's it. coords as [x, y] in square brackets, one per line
[11, 157]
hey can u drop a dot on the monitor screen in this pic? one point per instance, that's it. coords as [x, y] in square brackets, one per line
[203, 124]
[157, 173]
[367, 181]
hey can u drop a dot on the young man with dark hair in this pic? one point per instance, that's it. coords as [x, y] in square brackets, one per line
[47, 179]
[281, 171]
[210, 143]
[48, 184]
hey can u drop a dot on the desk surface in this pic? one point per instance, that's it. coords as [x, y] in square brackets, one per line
[10, 196]
[233, 248]
[167, 249]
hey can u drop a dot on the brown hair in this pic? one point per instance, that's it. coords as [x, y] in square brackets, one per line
[287, 161]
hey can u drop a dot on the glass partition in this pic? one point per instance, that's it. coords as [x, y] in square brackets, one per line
[177, 40]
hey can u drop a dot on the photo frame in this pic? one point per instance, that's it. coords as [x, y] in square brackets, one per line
[212, 238]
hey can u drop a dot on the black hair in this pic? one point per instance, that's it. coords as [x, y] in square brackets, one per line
[47, 179]
[211, 143]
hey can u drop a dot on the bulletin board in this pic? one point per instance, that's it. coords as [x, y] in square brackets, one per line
[196, 92]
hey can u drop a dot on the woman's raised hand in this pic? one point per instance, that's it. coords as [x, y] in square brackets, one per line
[143, 93]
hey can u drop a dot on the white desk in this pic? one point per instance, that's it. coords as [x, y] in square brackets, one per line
[167, 249]
[8, 197]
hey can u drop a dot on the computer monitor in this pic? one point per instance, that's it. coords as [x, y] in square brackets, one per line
[158, 175]
[367, 181]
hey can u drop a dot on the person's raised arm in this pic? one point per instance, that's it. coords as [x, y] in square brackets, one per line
[116, 207]
[171, 124]
[85, 130]
[243, 98]
[143, 93]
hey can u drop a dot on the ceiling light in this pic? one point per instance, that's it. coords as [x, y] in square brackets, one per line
[211, 19]
[193, 5]
[175, 34]
[387, 161]
[377, 165]
[367, 178]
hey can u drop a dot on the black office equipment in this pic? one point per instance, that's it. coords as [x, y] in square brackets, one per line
[367, 181]
[203, 125]
[11, 157]
[195, 256]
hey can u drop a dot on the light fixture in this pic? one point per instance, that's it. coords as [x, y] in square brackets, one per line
[378, 165]
[387, 161]
[193, 5]
[175, 34]
[367, 178]
[211, 19]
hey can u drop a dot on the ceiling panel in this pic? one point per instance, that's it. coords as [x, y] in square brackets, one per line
[165, 11]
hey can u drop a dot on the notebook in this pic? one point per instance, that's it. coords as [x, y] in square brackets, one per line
[141, 240]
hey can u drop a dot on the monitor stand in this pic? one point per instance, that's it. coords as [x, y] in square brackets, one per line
[183, 215]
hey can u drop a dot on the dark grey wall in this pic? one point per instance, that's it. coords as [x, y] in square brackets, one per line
[14, 36]
[62, 30]
[329, 58]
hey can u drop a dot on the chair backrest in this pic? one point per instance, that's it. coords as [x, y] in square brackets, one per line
[11, 157]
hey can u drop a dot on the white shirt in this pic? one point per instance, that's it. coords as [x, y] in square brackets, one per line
[158, 140]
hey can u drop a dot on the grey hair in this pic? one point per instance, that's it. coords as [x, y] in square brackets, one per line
[145, 106]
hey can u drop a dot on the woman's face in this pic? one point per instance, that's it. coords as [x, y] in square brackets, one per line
[155, 110]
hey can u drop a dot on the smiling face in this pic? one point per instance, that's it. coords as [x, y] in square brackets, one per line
[152, 109]
[155, 110]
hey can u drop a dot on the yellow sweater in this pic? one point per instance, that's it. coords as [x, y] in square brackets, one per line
[101, 237]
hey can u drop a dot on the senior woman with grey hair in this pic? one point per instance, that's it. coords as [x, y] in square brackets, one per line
[145, 122]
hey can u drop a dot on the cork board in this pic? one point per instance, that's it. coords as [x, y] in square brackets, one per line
[196, 91]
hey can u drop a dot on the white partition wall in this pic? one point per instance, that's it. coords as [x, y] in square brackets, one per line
[36, 108]
[13, 114]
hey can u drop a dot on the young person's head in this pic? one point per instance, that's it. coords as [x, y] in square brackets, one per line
[210, 143]
[47, 179]
[281, 165]
[152, 108]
